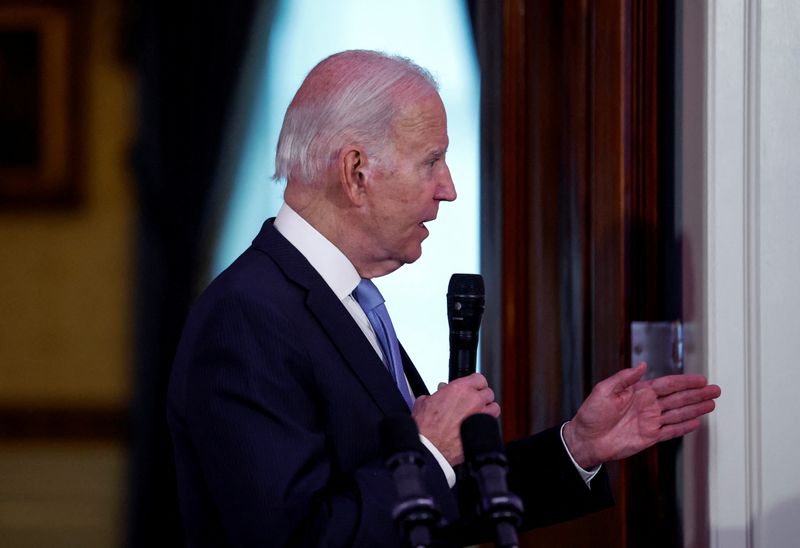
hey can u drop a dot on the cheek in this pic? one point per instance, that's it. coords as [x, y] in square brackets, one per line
[397, 207]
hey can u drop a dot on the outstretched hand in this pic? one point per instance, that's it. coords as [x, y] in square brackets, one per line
[624, 414]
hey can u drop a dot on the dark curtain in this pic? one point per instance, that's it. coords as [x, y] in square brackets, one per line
[486, 20]
[189, 56]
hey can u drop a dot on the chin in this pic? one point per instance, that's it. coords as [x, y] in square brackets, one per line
[412, 257]
[402, 257]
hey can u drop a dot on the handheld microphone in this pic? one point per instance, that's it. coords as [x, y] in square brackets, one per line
[415, 514]
[486, 459]
[465, 304]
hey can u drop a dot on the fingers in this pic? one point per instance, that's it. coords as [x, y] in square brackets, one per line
[664, 386]
[492, 409]
[470, 394]
[691, 396]
[476, 380]
[681, 411]
[687, 412]
[677, 430]
[471, 383]
[484, 401]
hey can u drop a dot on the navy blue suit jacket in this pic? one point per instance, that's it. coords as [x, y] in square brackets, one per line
[274, 404]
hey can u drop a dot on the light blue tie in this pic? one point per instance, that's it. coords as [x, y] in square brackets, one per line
[371, 301]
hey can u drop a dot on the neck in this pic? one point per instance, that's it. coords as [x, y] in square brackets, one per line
[340, 225]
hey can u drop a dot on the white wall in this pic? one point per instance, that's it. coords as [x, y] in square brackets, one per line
[746, 287]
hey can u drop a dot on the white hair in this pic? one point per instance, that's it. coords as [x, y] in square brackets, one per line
[349, 97]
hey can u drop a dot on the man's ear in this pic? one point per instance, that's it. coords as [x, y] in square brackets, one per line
[353, 173]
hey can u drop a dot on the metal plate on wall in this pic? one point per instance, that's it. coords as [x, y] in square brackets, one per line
[660, 344]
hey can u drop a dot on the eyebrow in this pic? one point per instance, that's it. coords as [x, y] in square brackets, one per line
[431, 157]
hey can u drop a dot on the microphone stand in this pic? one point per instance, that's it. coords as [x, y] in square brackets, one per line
[484, 453]
[415, 514]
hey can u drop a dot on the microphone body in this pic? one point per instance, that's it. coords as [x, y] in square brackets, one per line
[415, 514]
[485, 457]
[465, 305]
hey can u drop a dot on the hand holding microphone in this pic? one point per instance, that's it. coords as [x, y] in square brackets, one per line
[440, 415]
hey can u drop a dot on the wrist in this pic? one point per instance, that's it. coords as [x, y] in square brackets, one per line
[578, 447]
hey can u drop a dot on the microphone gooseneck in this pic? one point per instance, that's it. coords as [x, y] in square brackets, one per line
[465, 304]
[415, 514]
[486, 459]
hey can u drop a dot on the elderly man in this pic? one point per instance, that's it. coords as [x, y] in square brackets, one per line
[283, 374]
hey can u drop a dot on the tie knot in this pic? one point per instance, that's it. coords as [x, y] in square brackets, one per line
[368, 295]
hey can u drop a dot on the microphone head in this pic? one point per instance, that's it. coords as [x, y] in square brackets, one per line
[466, 284]
[465, 302]
[480, 436]
[399, 434]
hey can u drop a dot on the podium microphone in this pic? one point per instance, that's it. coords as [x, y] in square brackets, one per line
[486, 459]
[415, 514]
[465, 304]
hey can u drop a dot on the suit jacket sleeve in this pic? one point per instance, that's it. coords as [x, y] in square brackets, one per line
[552, 490]
[543, 476]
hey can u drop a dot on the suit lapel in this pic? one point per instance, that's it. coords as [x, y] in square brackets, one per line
[414, 379]
[336, 321]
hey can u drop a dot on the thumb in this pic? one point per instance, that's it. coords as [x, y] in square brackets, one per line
[630, 376]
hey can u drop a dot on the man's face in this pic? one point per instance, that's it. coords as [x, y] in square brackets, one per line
[409, 184]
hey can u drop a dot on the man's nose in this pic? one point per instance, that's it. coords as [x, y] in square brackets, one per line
[446, 190]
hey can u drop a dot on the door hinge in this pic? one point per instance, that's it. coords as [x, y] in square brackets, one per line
[660, 344]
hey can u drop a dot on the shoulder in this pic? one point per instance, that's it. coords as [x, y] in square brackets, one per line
[241, 327]
[252, 291]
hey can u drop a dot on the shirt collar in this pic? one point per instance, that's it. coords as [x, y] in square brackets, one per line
[334, 267]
